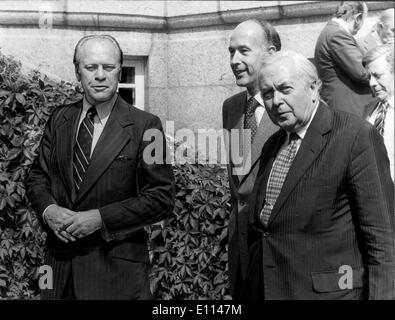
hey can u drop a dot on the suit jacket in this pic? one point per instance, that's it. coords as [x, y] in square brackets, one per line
[345, 82]
[335, 211]
[129, 193]
[241, 184]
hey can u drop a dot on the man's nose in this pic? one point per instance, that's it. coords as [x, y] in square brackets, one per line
[100, 74]
[235, 58]
[372, 82]
[276, 98]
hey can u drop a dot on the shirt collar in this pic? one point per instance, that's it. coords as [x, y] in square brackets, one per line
[257, 97]
[342, 23]
[390, 100]
[103, 109]
[301, 132]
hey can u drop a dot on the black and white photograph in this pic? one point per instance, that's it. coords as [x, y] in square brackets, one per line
[174, 150]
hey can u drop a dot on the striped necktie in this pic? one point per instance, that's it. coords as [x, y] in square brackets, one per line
[249, 119]
[82, 148]
[277, 176]
[379, 122]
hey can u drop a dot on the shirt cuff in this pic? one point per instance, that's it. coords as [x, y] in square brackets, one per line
[43, 214]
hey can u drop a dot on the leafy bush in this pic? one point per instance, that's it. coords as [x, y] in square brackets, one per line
[188, 251]
[25, 104]
[190, 259]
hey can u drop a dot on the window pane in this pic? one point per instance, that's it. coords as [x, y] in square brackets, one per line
[127, 75]
[128, 94]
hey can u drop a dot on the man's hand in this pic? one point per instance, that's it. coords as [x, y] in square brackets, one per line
[83, 223]
[55, 216]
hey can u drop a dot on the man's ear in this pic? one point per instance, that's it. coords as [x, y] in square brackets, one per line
[271, 49]
[77, 73]
[120, 74]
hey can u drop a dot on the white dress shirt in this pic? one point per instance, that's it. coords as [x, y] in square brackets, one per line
[388, 132]
[100, 119]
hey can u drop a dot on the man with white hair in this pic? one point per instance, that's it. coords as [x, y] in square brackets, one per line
[321, 211]
[382, 32]
[380, 64]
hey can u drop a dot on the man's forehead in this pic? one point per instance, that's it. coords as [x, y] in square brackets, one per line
[99, 48]
[248, 30]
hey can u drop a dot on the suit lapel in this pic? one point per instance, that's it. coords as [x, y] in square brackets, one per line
[236, 121]
[65, 140]
[310, 148]
[111, 141]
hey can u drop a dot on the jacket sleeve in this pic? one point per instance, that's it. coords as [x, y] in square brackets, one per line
[348, 56]
[372, 192]
[38, 183]
[155, 200]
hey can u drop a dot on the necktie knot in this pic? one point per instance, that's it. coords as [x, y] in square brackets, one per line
[293, 137]
[252, 104]
[91, 113]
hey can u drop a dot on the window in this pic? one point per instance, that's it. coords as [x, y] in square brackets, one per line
[131, 86]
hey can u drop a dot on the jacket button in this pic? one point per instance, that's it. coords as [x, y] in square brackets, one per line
[242, 203]
[266, 234]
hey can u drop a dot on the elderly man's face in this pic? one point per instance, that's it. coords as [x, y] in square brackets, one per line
[381, 78]
[247, 47]
[288, 98]
[99, 70]
[386, 31]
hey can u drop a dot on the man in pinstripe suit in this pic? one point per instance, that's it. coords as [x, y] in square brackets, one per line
[321, 222]
[92, 188]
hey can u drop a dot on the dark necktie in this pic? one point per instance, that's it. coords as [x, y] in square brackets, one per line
[82, 148]
[249, 119]
[380, 118]
[277, 176]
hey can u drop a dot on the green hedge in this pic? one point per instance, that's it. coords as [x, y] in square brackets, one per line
[188, 251]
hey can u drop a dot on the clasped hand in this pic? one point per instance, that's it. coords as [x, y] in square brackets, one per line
[69, 225]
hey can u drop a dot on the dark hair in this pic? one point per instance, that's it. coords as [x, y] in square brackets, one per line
[348, 8]
[91, 37]
[272, 36]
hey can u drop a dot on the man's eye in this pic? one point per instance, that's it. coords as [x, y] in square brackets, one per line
[267, 95]
[108, 67]
[90, 68]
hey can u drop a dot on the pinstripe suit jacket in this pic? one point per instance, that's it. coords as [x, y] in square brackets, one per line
[335, 209]
[129, 193]
[241, 184]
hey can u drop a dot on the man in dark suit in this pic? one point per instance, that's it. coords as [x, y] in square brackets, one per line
[94, 190]
[321, 222]
[249, 42]
[345, 84]
[379, 62]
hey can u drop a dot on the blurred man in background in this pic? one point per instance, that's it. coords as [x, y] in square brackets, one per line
[345, 84]
[382, 32]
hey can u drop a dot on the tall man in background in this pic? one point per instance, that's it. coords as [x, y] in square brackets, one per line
[93, 190]
[379, 62]
[345, 84]
[321, 211]
[249, 42]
